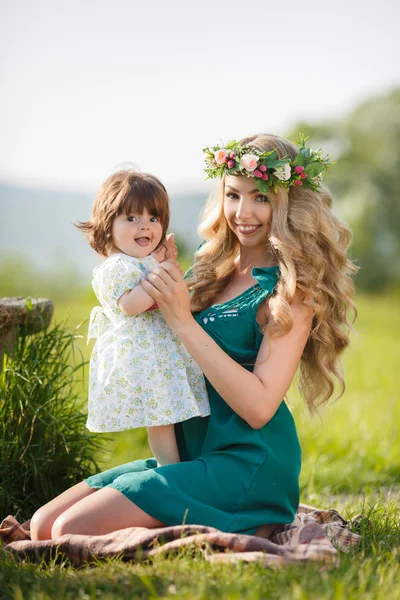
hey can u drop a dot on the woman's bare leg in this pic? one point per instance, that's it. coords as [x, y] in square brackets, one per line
[43, 519]
[107, 510]
[162, 442]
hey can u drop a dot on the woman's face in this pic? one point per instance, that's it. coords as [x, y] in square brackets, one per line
[247, 211]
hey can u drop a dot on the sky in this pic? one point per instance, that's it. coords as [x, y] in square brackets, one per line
[88, 85]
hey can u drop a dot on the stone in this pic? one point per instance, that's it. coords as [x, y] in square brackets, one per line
[34, 314]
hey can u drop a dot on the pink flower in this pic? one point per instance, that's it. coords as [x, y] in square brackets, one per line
[265, 176]
[249, 162]
[298, 182]
[257, 173]
[232, 155]
[303, 175]
[231, 164]
[299, 169]
[220, 156]
[262, 168]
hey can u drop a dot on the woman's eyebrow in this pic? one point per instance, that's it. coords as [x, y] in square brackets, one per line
[255, 191]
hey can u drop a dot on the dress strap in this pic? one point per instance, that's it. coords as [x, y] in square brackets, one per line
[267, 277]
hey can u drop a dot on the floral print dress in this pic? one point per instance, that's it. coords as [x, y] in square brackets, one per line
[141, 375]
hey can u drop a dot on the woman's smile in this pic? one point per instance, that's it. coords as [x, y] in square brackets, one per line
[247, 229]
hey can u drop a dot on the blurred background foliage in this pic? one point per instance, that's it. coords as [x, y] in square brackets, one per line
[366, 184]
[19, 276]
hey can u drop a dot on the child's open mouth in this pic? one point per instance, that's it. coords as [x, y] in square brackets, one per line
[143, 241]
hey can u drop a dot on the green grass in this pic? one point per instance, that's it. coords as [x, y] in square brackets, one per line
[351, 462]
[355, 447]
[369, 574]
[44, 444]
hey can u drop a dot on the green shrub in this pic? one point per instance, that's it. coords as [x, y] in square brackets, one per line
[44, 445]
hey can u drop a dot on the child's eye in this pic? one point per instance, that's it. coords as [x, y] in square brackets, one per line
[262, 198]
[154, 219]
[132, 218]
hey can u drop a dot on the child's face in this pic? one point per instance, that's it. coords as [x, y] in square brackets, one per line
[136, 234]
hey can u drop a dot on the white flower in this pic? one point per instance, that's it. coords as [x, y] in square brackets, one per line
[283, 172]
[318, 179]
[249, 162]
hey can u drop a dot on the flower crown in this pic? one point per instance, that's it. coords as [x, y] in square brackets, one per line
[267, 168]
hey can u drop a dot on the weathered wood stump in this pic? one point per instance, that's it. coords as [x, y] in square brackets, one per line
[34, 314]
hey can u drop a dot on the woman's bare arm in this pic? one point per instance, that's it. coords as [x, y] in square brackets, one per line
[253, 396]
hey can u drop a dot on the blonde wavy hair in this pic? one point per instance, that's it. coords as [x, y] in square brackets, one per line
[310, 245]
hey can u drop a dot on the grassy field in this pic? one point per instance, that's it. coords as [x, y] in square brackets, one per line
[351, 462]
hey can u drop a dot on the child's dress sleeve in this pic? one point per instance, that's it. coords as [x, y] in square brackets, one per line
[119, 276]
[110, 281]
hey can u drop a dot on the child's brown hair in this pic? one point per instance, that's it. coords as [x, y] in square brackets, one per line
[124, 192]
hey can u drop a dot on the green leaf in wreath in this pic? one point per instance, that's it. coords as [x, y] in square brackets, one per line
[306, 152]
[262, 185]
[273, 163]
[314, 169]
[271, 154]
[299, 160]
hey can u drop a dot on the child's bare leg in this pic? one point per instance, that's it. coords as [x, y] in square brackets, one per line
[162, 442]
[43, 519]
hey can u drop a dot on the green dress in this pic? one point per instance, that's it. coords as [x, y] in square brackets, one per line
[231, 477]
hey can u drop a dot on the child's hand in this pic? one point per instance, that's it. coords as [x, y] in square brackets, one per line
[159, 254]
[171, 249]
[168, 251]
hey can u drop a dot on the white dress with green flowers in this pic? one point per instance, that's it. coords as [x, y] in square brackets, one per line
[141, 375]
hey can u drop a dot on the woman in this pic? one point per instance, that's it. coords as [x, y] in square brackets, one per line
[270, 288]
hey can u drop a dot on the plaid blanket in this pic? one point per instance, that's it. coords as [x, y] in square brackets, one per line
[314, 535]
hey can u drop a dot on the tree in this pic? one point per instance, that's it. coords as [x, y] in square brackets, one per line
[366, 183]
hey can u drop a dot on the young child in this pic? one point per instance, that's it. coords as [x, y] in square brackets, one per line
[141, 375]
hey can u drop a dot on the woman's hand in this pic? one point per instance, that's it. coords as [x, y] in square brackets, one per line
[166, 285]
